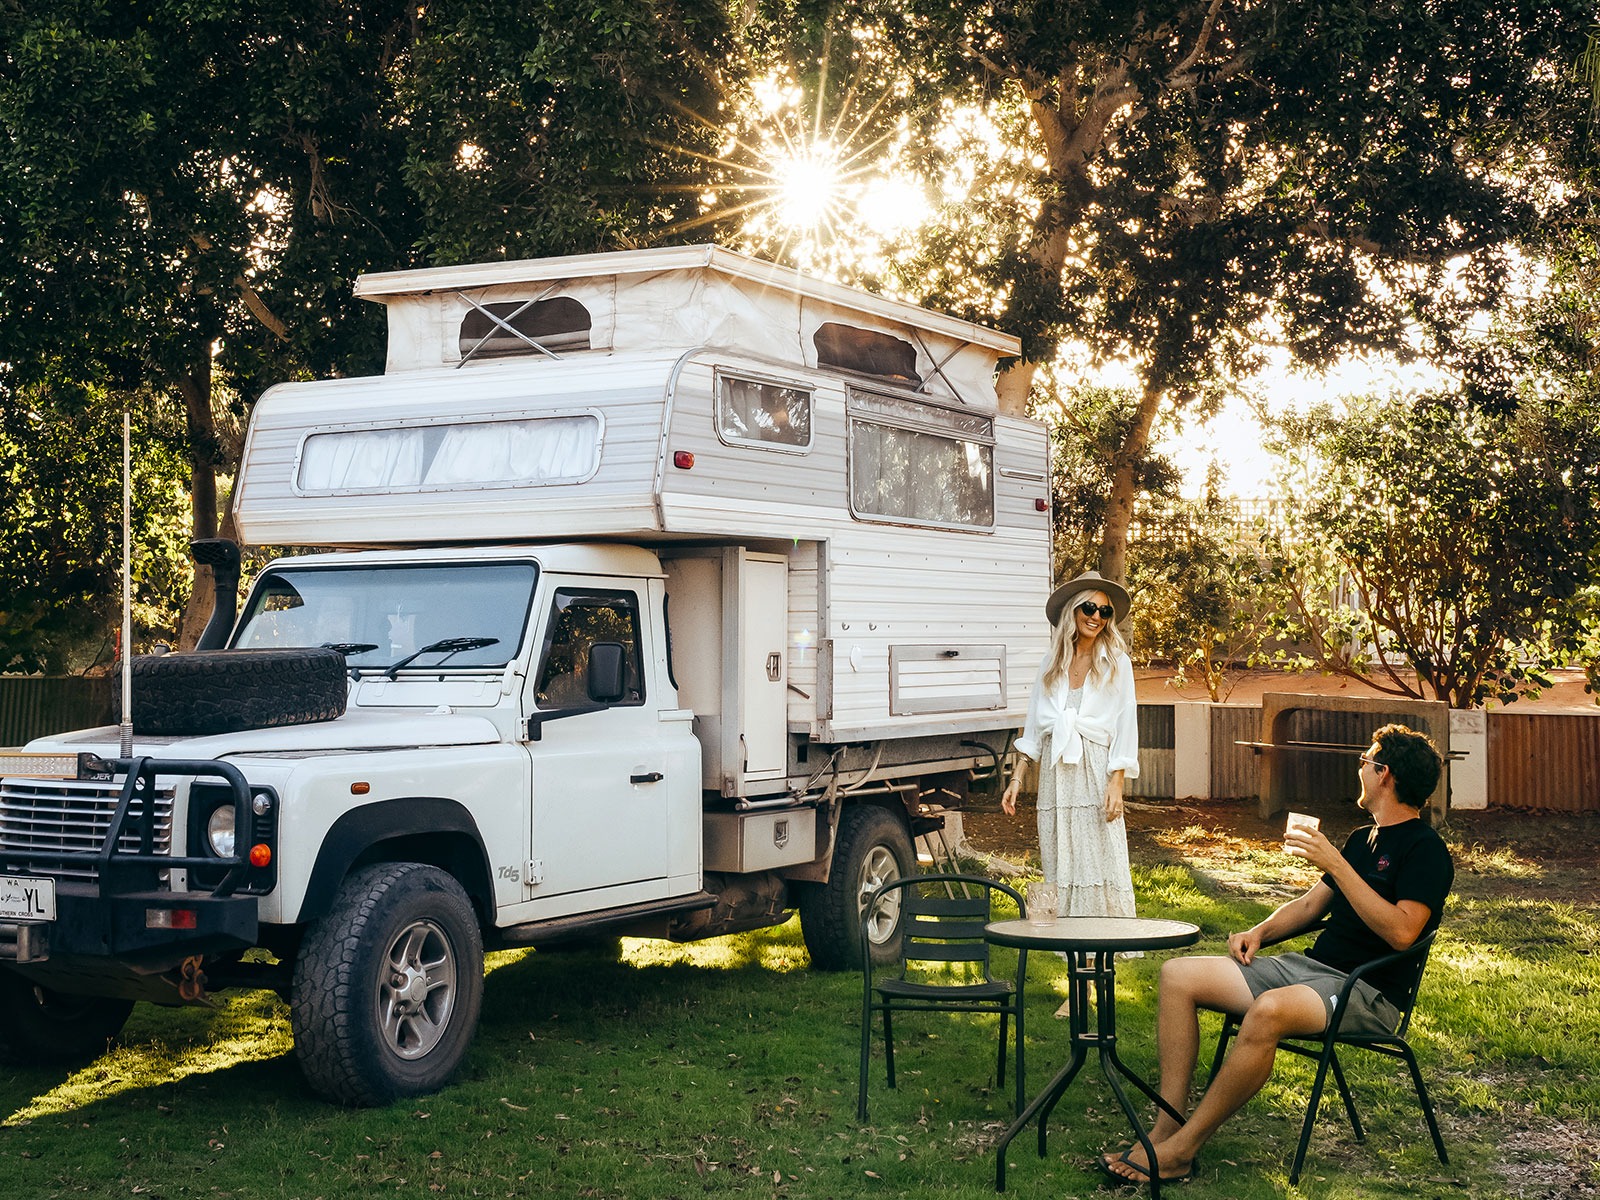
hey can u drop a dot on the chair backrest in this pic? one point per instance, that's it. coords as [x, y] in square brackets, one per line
[942, 920]
[1419, 951]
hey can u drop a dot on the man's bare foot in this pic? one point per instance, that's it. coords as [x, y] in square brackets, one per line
[1131, 1166]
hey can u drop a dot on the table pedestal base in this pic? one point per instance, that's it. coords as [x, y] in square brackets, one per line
[1089, 973]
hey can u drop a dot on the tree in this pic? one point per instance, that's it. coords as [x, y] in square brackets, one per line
[1444, 549]
[60, 555]
[187, 192]
[1178, 183]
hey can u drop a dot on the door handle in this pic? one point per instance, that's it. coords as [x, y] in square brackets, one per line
[774, 666]
[647, 777]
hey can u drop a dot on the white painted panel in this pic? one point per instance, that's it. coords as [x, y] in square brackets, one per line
[763, 618]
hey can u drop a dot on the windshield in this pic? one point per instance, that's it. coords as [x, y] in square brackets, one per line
[380, 615]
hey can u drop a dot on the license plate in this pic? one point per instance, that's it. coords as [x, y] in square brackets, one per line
[27, 899]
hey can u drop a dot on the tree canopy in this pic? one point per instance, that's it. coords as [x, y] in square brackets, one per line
[188, 191]
[1181, 183]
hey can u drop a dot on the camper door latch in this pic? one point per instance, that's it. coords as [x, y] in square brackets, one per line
[774, 666]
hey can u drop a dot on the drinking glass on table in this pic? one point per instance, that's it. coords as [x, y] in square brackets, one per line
[1042, 900]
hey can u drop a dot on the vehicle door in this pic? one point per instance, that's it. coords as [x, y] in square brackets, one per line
[600, 796]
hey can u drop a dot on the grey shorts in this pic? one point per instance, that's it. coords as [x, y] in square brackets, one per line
[1368, 1010]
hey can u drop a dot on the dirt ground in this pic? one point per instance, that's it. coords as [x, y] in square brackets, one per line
[1246, 687]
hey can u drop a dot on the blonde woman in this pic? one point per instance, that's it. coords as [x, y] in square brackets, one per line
[1083, 732]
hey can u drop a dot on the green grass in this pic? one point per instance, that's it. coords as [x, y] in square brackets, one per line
[728, 1069]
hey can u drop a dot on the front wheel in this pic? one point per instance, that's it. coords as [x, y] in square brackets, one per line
[388, 986]
[873, 847]
[39, 1026]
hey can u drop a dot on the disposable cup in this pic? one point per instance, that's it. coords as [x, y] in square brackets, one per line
[1299, 821]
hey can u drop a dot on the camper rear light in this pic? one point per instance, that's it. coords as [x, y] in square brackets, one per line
[169, 918]
[1040, 504]
[683, 459]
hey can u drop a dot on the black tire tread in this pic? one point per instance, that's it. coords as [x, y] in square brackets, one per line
[225, 691]
[78, 1031]
[829, 920]
[325, 1005]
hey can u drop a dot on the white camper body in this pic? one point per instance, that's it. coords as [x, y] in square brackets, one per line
[908, 519]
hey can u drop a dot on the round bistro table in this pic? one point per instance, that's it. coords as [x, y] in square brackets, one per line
[1091, 945]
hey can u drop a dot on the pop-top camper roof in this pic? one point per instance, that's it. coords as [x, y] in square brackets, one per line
[561, 397]
[675, 299]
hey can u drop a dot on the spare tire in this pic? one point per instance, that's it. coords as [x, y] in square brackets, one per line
[224, 691]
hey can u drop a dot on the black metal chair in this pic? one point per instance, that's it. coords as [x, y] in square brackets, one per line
[943, 964]
[1324, 1048]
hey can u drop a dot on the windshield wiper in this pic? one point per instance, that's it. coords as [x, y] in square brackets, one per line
[445, 646]
[349, 648]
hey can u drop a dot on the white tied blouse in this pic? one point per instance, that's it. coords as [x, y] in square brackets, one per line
[1109, 715]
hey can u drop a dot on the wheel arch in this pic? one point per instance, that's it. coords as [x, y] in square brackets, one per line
[426, 829]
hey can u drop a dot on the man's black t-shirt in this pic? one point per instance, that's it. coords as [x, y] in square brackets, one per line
[1408, 861]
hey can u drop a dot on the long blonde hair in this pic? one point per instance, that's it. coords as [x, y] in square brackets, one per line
[1108, 643]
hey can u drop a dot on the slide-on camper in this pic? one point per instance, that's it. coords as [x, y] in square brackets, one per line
[663, 593]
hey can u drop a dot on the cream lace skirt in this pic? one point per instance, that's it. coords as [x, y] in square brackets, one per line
[1086, 857]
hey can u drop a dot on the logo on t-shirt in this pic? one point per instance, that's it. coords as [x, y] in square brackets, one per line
[1383, 863]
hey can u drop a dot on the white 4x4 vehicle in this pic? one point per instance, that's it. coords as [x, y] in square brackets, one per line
[693, 590]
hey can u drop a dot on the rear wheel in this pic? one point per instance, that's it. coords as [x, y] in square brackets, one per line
[388, 986]
[39, 1026]
[873, 847]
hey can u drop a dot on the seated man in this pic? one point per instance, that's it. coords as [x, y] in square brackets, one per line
[1380, 894]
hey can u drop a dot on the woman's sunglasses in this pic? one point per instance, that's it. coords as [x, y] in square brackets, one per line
[1089, 608]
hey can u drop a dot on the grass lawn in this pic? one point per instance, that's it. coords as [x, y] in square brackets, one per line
[728, 1068]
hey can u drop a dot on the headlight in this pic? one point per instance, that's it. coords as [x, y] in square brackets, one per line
[220, 831]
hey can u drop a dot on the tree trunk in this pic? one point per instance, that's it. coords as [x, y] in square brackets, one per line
[1119, 506]
[195, 389]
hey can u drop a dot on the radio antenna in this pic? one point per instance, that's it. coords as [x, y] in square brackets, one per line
[126, 729]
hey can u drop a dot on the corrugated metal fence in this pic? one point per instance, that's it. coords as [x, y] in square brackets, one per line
[1544, 760]
[1233, 767]
[32, 706]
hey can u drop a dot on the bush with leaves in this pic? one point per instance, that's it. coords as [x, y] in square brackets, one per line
[1442, 547]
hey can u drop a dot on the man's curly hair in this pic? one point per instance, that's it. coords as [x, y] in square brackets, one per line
[1412, 759]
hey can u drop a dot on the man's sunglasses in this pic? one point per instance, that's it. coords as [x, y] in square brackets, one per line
[1089, 608]
[1374, 763]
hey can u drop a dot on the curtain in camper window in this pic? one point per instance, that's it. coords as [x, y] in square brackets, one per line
[920, 463]
[551, 450]
[506, 453]
[367, 458]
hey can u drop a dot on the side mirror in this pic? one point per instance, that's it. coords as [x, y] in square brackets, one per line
[605, 683]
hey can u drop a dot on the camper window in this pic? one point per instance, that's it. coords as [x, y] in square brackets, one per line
[866, 352]
[524, 327]
[478, 454]
[919, 463]
[772, 415]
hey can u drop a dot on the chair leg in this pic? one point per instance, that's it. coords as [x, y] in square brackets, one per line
[1230, 1026]
[888, 1042]
[866, 1057]
[1000, 1062]
[1349, 1101]
[1425, 1100]
[1311, 1115]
